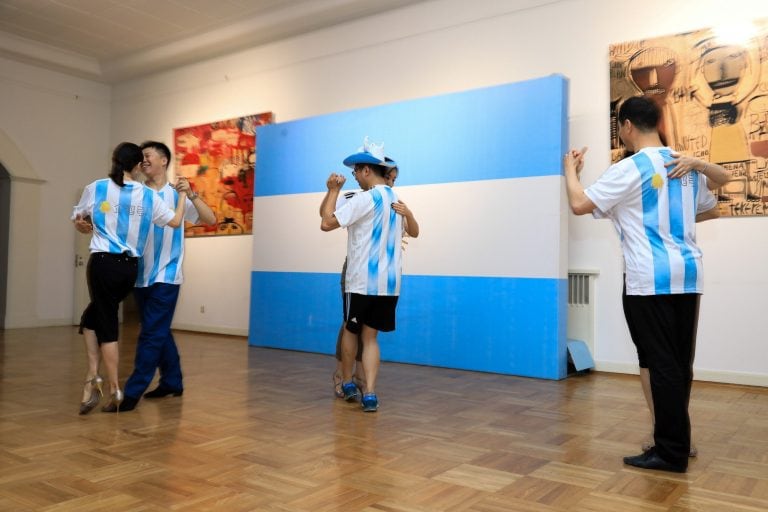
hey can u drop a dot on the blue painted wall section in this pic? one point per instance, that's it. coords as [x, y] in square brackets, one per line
[502, 325]
[507, 131]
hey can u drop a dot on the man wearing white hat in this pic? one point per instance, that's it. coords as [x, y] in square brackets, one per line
[372, 283]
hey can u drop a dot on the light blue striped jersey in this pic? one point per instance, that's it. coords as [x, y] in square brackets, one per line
[164, 254]
[374, 236]
[121, 216]
[656, 220]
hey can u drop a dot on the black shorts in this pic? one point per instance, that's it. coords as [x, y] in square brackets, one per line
[111, 278]
[375, 311]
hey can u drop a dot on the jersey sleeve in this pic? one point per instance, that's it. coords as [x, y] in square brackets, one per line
[597, 213]
[706, 200]
[344, 198]
[161, 214]
[83, 208]
[190, 212]
[612, 187]
[354, 209]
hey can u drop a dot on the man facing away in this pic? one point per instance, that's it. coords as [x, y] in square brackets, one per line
[157, 287]
[372, 282]
[655, 210]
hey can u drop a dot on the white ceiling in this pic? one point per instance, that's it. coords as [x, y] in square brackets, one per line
[112, 40]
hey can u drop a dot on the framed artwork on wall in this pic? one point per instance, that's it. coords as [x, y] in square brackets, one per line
[712, 88]
[219, 159]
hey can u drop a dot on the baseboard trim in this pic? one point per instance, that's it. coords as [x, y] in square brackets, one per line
[29, 322]
[212, 329]
[725, 377]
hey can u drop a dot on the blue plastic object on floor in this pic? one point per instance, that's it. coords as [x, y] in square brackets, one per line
[579, 352]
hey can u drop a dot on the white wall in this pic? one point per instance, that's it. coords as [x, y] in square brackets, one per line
[427, 49]
[54, 139]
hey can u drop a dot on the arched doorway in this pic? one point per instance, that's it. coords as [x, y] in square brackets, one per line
[5, 213]
[18, 280]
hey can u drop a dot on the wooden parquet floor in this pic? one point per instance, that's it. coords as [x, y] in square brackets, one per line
[258, 430]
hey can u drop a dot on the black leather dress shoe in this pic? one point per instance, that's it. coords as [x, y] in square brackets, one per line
[652, 460]
[160, 392]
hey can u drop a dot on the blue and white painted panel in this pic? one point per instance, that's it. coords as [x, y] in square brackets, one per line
[484, 284]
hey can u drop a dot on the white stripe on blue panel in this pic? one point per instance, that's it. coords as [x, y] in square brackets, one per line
[529, 244]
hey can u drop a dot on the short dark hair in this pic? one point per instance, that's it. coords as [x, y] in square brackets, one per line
[124, 158]
[393, 168]
[160, 148]
[641, 111]
[380, 170]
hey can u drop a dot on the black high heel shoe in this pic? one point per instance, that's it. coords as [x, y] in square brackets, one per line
[114, 402]
[95, 396]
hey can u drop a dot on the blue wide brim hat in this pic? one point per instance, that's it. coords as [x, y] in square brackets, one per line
[370, 153]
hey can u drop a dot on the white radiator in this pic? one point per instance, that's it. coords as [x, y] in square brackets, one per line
[581, 306]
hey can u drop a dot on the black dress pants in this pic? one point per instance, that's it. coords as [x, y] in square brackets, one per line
[663, 327]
